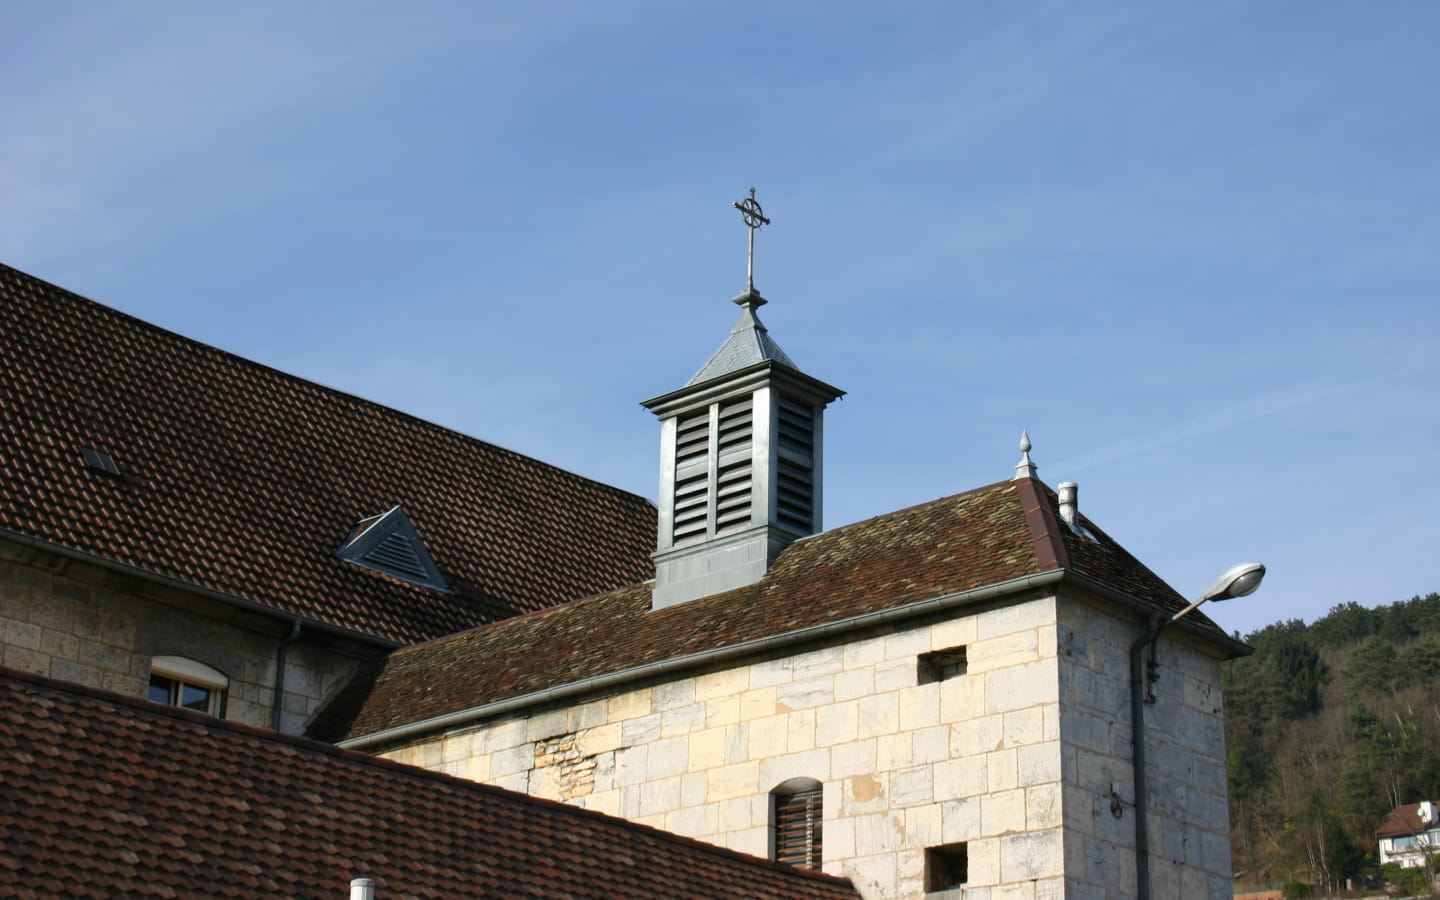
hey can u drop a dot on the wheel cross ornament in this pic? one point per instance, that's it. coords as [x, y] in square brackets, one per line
[754, 217]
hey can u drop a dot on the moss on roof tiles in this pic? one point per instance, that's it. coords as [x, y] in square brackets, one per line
[948, 546]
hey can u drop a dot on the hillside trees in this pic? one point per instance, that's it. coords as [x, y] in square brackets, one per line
[1329, 726]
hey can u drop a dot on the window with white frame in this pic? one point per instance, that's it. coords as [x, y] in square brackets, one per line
[183, 682]
[797, 813]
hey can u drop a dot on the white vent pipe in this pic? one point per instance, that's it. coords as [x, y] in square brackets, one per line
[362, 889]
[1070, 503]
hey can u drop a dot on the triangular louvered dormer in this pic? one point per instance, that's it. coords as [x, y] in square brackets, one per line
[740, 454]
[388, 543]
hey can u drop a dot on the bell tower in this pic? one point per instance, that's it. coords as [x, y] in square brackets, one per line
[740, 457]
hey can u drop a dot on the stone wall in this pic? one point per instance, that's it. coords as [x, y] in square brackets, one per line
[905, 766]
[1188, 815]
[78, 622]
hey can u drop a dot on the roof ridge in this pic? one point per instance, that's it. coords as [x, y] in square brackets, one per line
[324, 388]
[366, 759]
[1045, 537]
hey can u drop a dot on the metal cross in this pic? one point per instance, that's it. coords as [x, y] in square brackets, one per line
[754, 217]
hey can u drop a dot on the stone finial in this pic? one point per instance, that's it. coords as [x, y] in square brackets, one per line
[1025, 468]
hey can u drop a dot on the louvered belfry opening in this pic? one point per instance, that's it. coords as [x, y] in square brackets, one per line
[798, 826]
[692, 478]
[714, 464]
[740, 465]
[734, 438]
[795, 481]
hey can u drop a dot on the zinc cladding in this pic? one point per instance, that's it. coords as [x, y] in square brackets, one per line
[984, 537]
[107, 796]
[240, 479]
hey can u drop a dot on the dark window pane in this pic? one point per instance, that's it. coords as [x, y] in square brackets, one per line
[161, 689]
[197, 698]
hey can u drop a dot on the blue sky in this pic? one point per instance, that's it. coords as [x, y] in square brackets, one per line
[1193, 248]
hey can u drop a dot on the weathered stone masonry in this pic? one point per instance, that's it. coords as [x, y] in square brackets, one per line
[904, 766]
[1025, 757]
[76, 621]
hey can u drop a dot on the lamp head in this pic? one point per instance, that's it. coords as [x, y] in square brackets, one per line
[1237, 581]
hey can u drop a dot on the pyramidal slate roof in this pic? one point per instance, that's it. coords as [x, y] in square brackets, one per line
[749, 343]
[1000, 535]
[133, 446]
[109, 796]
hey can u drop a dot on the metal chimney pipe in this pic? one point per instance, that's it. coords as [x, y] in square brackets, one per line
[1070, 503]
[362, 889]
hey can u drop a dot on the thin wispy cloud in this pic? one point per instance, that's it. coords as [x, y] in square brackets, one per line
[1271, 403]
[514, 220]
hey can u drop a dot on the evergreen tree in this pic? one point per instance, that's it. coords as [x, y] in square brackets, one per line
[1373, 668]
[1328, 727]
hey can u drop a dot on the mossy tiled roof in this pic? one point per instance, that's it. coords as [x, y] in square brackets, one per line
[992, 535]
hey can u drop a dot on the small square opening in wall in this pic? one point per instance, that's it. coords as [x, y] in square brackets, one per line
[946, 867]
[941, 665]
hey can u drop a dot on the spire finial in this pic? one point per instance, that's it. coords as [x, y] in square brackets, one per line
[1025, 468]
[754, 217]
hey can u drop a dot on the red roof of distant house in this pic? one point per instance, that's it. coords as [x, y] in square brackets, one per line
[105, 796]
[243, 480]
[1403, 821]
[988, 536]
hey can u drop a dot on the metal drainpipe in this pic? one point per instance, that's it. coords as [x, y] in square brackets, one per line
[1137, 755]
[278, 700]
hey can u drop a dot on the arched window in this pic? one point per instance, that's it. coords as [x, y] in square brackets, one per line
[178, 681]
[797, 813]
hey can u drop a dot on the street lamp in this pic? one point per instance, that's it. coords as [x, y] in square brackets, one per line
[1238, 581]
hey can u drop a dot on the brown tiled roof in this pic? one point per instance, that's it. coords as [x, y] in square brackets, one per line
[959, 543]
[1402, 821]
[106, 796]
[243, 480]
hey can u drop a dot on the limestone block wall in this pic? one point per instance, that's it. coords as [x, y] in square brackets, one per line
[1189, 820]
[79, 622]
[904, 766]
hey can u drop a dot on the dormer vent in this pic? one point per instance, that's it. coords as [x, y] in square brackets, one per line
[388, 543]
[99, 459]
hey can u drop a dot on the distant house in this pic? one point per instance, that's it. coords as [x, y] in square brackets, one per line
[1409, 834]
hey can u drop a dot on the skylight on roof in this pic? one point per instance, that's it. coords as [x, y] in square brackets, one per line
[99, 459]
[388, 543]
